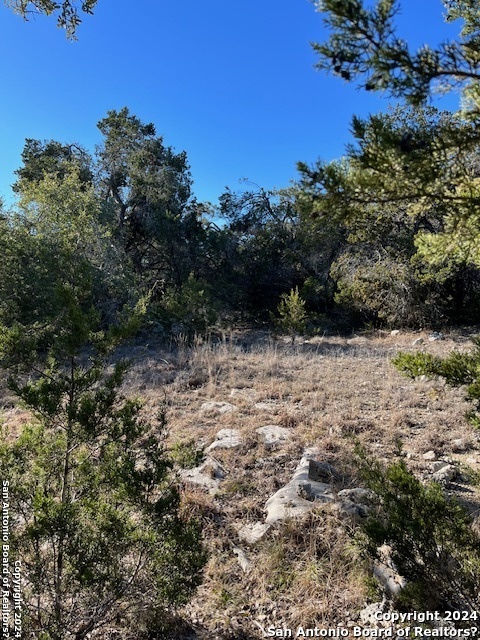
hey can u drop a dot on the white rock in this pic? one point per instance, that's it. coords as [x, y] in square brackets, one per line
[438, 464]
[370, 614]
[459, 445]
[218, 407]
[418, 341]
[243, 561]
[247, 394]
[299, 496]
[226, 439]
[386, 572]
[208, 475]
[445, 474]
[430, 455]
[252, 533]
[273, 434]
[395, 332]
[433, 337]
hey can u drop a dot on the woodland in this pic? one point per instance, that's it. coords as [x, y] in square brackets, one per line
[110, 245]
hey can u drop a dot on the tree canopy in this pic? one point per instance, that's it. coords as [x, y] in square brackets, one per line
[420, 158]
[364, 46]
[67, 12]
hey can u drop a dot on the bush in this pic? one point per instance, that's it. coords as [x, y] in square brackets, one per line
[94, 509]
[457, 369]
[434, 546]
[292, 315]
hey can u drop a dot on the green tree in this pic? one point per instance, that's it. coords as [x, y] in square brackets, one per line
[66, 12]
[52, 237]
[364, 47]
[292, 315]
[146, 190]
[95, 520]
[54, 159]
[272, 248]
[422, 158]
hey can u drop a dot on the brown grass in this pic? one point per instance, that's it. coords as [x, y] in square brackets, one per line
[330, 393]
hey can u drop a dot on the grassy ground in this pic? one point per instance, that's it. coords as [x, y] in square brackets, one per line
[330, 392]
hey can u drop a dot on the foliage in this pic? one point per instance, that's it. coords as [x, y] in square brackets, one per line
[292, 314]
[192, 306]
[145, 188]
[433, 545]
[364, 47]
[273, 248]
[96, 522]
[58, 234]
[422, 158]
[414, 163]
[187, 454]
[381, 274]
[66, 11]
[53, 159]
[457, 369]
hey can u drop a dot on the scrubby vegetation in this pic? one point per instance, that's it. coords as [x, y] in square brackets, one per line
[113, 246]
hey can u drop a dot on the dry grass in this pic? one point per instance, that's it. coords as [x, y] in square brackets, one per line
[330, 393]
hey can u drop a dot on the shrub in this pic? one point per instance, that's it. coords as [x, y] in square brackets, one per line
[434, 546]
[292, 314]
[94, 509]
[457, 369]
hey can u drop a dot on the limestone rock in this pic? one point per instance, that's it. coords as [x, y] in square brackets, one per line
[437, 465]
[252, 533]
[321, 471]
[459, 445]
[445, 474]
[299, 496]
[243, 561]
[273, 434]
[355, 502]
[246, 394]
[430, 455]
[264, 406]
[218, 407]
[386, 572]
[226, 439]
[369, 615]
[208, 475]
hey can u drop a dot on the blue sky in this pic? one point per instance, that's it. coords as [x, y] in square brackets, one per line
[231, 83]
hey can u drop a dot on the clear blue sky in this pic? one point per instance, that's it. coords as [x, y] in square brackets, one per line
[231, 83]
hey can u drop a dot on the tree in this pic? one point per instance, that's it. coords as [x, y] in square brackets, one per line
[67, 12]
[52, 158]
[432, 155]
[364, 47]
[146, 188]
[95, 521]
[58, 234]
[272, 248]
[292, 315]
